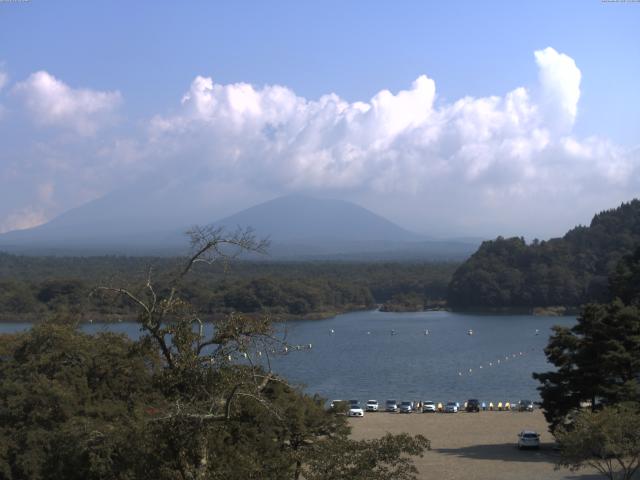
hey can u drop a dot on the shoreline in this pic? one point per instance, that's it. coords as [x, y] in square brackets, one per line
[34, 318]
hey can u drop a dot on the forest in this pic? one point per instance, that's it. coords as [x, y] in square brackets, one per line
[568, 271]
[32, 288]
[175, 404]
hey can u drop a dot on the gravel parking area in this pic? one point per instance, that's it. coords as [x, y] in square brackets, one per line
[474, 446]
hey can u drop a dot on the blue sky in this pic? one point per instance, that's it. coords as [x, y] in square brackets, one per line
[148, 54]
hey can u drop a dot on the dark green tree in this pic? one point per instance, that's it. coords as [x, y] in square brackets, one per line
[607, 440]
[597, 361]
[378, 459]
[72, 405]
[625, 281]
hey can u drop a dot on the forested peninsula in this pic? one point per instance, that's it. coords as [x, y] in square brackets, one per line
[34, 288]
[568, 271]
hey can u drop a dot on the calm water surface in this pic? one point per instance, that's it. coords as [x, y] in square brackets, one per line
[362, 359]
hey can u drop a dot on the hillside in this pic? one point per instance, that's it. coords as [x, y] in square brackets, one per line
[572, 270]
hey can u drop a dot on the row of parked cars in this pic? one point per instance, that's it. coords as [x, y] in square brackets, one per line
[353, 408]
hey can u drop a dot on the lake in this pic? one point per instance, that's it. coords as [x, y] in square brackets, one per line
[362, 358]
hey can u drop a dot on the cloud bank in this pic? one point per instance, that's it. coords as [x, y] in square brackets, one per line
[52, 102]
[487, 165]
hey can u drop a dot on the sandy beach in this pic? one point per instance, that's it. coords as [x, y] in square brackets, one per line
[474, 446]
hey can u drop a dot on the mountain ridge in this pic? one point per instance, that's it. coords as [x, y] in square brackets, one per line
[299, 226]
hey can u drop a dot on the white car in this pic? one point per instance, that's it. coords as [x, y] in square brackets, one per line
[451, 407]
[372, 406]
[391, 406]
[428, 407]
[528, 439]
[355, 410]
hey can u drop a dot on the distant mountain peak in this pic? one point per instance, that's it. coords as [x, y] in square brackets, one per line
[299, 217]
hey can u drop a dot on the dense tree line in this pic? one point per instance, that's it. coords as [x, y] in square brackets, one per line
[31, 287]
[570, 271]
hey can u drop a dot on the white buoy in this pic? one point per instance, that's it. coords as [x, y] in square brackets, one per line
[368, 333]
[310, 346]
[460, 373]
[332, 331]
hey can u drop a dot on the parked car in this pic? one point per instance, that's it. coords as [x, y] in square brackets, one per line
[371, 406]
[428, 407]
[451, 407]
[355, 410]
[391, 406]
[528, 439]
[406, 407]
[525, 406]
[473, 405]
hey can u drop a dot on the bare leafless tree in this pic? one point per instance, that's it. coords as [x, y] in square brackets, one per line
[210, 363]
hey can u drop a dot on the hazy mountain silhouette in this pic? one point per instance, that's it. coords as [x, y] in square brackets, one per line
[300, 218]
[131, 222]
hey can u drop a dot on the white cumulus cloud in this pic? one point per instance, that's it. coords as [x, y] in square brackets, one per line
[480, 150]
[560, 82]
[477, 165]
[52, 102]
[393, 142]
